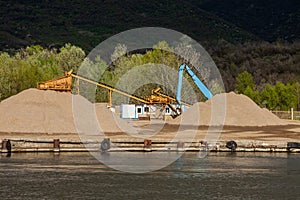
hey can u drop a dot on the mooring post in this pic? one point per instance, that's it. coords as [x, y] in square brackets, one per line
[180, 146]
[147, 145]
[3, 146]
[56, 145]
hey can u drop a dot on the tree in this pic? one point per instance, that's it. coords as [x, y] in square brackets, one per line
[252, 94]
[35, 64]
[269, 97]
[296, 88]
[287, 97]
[120, 50]
[244, 80]
[70, 57]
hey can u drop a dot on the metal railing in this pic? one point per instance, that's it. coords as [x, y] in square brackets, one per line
[295, 115]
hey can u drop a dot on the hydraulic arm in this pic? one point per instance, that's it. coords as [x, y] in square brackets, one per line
[196, 80]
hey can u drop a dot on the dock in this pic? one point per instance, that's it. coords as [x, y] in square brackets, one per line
[16, 145]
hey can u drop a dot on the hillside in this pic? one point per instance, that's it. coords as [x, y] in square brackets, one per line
[235, 32]
[268, 19]
[87, 23]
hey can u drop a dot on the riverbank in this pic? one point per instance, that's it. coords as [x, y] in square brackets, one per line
[46, 121]
[21, 145]
[248, 139]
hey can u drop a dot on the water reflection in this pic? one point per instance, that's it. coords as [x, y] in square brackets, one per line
[81, 176]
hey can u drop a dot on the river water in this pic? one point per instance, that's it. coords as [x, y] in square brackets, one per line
[218, 176]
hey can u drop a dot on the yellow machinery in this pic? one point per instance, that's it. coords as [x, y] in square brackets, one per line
[65, 84]
[159, 98]
[59, 84]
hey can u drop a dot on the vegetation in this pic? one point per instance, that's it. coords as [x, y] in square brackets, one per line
[34, 64]
[269, 20]
[233, 31]
[267, 62]
[86, 23]
[274, 97]
[146, 72]
[267, 73]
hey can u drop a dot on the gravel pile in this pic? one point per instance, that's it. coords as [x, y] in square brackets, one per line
[240, 110]
[37, 111]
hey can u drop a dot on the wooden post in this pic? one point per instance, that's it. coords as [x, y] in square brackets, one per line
[6, 146]
[56, 145]
[180, 146]
[292, 113]
[147, 145]
[3, 147]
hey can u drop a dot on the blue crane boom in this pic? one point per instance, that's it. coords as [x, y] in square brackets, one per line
[207, 93]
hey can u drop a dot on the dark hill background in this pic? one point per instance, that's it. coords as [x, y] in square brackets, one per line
[267, 19]
[86, 23]
[237, 33]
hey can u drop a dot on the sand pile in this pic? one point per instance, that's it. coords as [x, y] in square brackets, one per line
[240, 110]
[37, 111]
[110, 122]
